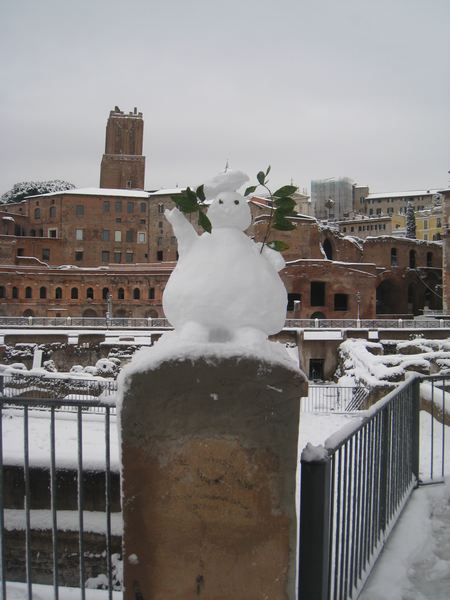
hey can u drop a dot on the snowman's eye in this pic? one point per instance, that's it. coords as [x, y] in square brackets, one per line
[236, 201]
[220, 201]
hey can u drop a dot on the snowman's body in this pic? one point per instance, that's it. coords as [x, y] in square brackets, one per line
[223, 287]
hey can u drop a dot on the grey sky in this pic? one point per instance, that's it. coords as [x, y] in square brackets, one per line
[316, 88]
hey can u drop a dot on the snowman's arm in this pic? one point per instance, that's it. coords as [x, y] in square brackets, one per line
[183, 230]
[273, 257]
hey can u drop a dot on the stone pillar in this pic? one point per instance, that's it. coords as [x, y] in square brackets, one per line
[209, 460]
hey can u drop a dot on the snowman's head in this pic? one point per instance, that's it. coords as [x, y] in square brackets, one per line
[229, 209]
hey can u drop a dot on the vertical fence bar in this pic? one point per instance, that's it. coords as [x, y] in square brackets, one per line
[80, 500]
[314, 528]
[432, 432]
[26, 475]
[443, 429]
[2, 514]
[53, 485]
[108, 501]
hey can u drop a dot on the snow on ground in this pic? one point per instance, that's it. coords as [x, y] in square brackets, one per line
[18, 591]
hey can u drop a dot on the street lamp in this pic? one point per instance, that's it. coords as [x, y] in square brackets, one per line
[109, 306]
[358, 302]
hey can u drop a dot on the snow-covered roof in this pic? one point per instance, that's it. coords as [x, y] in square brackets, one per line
[92, 191]
[167, 192]
[403, 194]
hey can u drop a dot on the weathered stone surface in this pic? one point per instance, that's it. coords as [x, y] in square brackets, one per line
[209, 455]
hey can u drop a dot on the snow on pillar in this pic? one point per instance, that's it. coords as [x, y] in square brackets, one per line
[209, 459]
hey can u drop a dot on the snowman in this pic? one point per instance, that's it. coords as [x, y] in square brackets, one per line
[224, 288]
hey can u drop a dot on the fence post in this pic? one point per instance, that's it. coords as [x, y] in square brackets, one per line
[315, 510]
[384, 468]
[415, 433]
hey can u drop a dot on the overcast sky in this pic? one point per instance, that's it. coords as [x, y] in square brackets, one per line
[316, 88]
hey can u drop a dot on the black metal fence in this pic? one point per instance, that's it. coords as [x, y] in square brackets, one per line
[334, 398]
[354, 488]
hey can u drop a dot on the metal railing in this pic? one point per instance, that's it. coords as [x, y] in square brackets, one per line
[334, 398]
[162, 323]
[33, 554]
[354, 488]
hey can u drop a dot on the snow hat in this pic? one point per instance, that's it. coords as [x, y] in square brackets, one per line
[229, 181]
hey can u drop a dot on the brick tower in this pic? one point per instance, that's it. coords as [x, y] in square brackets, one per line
[123, 166]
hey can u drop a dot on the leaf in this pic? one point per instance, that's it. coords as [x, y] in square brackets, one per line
[200, 193]
[278, 245]
[191, 195]
[185, 203]
[286, 190]
[268, 170]
[250, 190]
[285, 205]
[282, 224]
[261, 177]
[203, 221]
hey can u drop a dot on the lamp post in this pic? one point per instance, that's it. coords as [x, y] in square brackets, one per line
[358, 302]
[109, 306]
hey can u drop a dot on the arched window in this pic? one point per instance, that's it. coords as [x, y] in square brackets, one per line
[28, 292]
[28, 313]
[74, 293]
[429, 259]
[394, 261]
[328, 249]
[105, 293]
[136, 294]
[58, 293]
[121, 294]
[151, 293]
[90, 293]
[2, 291]
[412, 259]
[15, 292]
[43, 292]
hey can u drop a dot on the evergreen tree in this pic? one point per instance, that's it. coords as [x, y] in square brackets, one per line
[33, 188]
[410, 222]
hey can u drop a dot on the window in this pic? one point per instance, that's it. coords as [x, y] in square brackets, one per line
[121, 294]
[129, 235]
[90, 293]
[45, 253]
[79, 210]
[2, 291]
[151, 293]
[328, 249]
[118, 206]
[160, 241]
[161, 208]
[79, 255]
[129, 182]
[105, 235]
[379, 212]
[142, 221]
[159, 255]
[43, 292]
[394, 261]
[316, 372]
[37, 213]
[74, 293]
[438, 223]
[130, 206]
[79, 234]
[105, 256]
[141, 237]
[15, 292]
[143, 207]
[340, 302]
[105, 293]
[53, 233]
[293, 298]
[19, 252]
[28, 292]
[52, 212]
[106, 206]
[317, 293]
[117, 257]
[129, 257]
[117, 236]
[58, 293]
[32, 233]
[160, 224]
[412, 259]
[425, 224]
[136, 294]
[118, 220]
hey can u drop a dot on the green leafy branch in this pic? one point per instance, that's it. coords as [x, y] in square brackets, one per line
[282, 207]
[189, 201]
